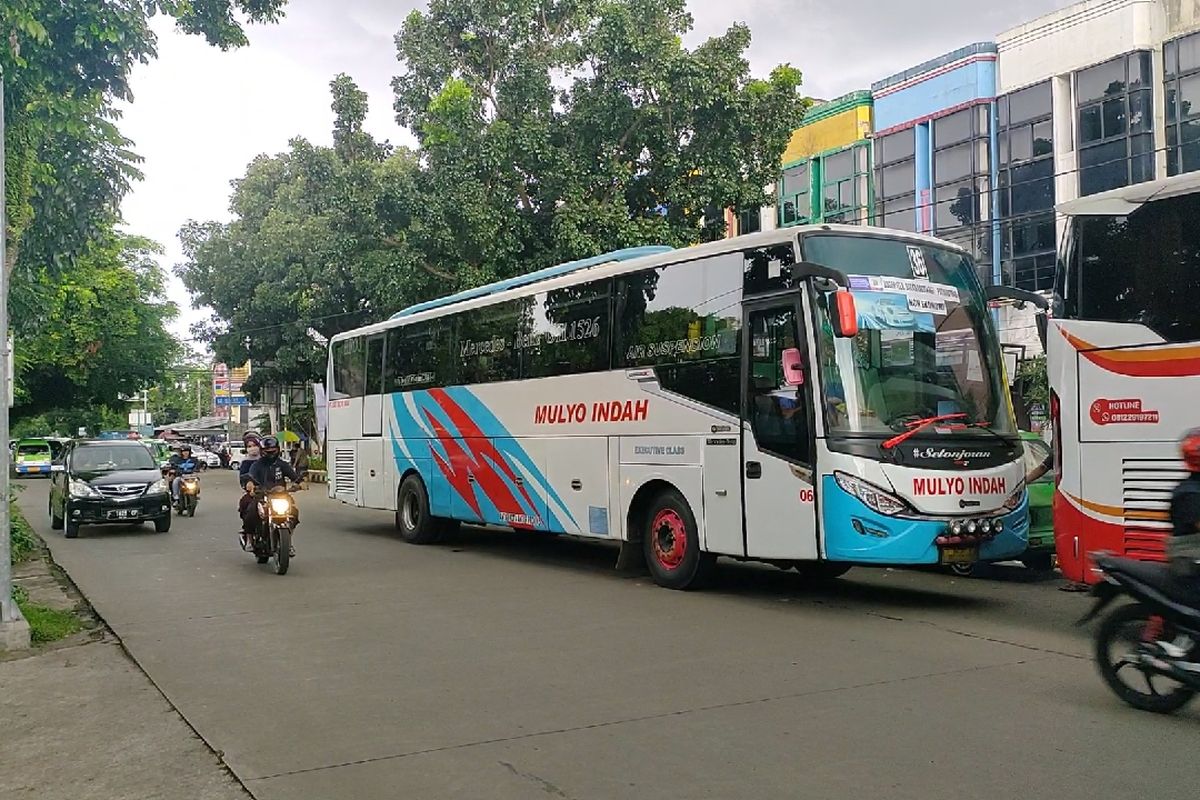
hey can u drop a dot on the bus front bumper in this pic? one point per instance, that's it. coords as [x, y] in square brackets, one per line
[854, 532]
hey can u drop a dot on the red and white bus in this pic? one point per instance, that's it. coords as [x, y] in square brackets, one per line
[1123, 354]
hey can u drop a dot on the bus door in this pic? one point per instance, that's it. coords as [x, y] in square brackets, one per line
[777, 434]
[374, 489]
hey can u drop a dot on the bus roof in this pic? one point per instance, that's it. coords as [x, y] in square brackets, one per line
[628, 254]
[604, 266]
[1128, 199]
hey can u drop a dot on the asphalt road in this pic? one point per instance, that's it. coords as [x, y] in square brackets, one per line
[514, 666]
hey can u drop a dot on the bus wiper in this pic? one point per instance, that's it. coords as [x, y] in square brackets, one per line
[986, 427]
[917, 425]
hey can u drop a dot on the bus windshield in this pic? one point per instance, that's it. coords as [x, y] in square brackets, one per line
[926, 344]
[1143, 268]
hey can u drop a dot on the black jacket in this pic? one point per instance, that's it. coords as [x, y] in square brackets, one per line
[267, 473]
[1185, 506]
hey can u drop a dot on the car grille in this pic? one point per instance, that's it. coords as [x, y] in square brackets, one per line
[122, 491]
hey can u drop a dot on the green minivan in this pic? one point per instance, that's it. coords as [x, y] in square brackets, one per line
[33, 457]
[1040, 476]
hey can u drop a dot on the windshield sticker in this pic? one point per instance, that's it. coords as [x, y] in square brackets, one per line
[884, 311]
[921, 296]
[916, 258]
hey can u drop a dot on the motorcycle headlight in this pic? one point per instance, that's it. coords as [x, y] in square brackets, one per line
[872, 496]
[280, 505]
[80, 489]
[1016, 498]
[158, 487]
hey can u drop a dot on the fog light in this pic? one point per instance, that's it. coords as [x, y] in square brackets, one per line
[956, 527]
[985, 526]
[972, 526]
[75, 513]
[999, 526]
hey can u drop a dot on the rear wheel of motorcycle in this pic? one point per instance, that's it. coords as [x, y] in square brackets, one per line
[413, 520]
[1118, 639]
[283, 550]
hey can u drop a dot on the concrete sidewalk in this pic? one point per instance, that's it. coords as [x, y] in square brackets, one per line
[79, 719]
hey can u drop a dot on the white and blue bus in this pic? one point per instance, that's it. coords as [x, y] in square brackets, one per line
[815, 397]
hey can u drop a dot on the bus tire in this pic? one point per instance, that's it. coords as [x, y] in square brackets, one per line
[413, 520]
[671, 543]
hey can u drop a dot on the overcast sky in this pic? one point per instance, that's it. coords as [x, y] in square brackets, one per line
[200, 115]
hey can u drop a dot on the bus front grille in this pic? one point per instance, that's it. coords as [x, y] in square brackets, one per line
[1147, 484]
[344, 478]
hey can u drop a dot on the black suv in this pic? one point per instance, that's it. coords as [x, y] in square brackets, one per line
[108, 482]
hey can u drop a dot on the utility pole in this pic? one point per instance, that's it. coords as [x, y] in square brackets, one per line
[14, 630]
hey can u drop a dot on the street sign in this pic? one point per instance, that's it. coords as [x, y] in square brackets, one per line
[236, 400]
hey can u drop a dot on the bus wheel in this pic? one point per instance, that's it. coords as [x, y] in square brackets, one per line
[821, 570]
[672, 544]
[413, 519]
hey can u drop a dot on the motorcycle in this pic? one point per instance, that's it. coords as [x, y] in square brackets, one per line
[1156, 638]
[278, 518]
[189, 495]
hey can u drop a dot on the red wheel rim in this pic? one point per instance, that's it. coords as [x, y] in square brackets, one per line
[668, 538]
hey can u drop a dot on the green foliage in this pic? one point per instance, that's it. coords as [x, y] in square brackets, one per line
[1035, 386]
[95, 331]
[550, 130]
[67, 421]
[23, 542]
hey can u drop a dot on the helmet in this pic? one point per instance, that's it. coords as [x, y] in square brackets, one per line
[186, 448]
[1189, 446]
[250, 436]
[270, 447]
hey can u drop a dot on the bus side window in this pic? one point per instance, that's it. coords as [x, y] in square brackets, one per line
[349, 364]
[778, 413]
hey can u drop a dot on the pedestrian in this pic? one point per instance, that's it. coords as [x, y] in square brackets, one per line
[300, 464]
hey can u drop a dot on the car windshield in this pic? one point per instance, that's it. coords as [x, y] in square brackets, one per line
[101, 458]
[926, 346]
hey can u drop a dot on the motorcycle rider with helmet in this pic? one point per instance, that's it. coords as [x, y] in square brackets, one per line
[181, 464]
[266, 473]
[1185, 500]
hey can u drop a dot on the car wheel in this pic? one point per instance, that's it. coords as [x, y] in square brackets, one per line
[671, 543]
[162, 524]
[56, 522]
[71, 529]
[413, 520]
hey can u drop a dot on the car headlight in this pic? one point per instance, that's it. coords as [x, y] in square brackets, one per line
[158, 487]
[871, 495]
[80, 489]
[1016, 498]
[280, 505]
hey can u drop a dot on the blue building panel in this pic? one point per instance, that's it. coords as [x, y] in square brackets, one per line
[926, 97]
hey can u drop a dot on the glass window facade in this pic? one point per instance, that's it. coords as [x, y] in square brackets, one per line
[1181, 68]
[895, 180]
[1026, 187]
[1115, 123]
[961, 156]
[833, 187]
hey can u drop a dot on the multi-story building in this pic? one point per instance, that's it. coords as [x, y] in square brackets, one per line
[978, 146]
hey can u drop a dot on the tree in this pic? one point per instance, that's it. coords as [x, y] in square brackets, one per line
[557, 129]
[95, 333]
[64, 64]
[316, 243]
[185, 392]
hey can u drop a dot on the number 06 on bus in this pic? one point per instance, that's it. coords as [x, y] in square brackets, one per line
[816, 397]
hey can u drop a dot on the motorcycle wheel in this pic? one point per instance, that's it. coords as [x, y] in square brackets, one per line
[1121, 632]
[283, 550]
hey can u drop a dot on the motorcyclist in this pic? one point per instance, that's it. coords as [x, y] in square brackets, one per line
[1185, 500]
[180, 464]
[250, 442]
[268, 472]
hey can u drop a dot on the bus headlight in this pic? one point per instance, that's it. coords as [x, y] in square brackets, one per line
[871, 495]
[1016, 498]
[281, 506]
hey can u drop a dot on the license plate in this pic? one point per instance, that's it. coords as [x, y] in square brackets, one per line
[959, 555]
[33, 469]
[123, 513]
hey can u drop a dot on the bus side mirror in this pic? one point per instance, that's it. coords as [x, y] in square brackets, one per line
[845, 315]
[793, 367]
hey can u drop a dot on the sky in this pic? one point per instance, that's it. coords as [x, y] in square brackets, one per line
[199, 115]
